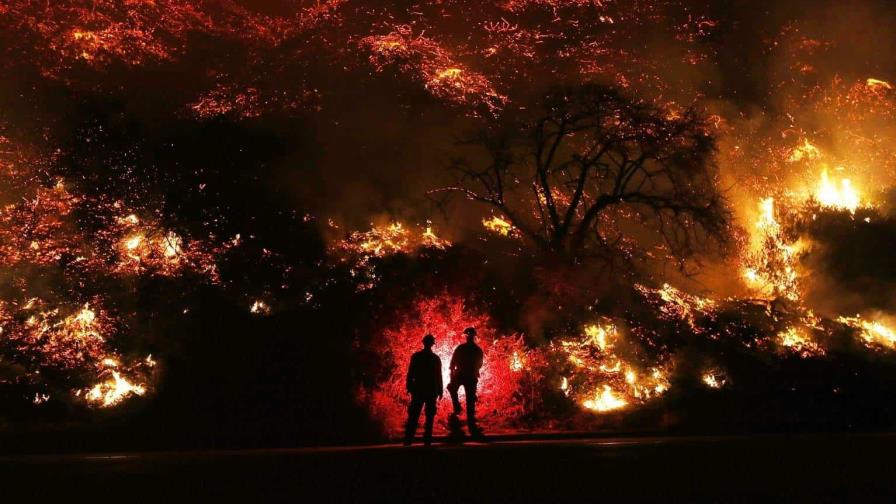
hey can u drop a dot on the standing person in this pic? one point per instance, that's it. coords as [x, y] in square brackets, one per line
[465, 365]
[424, 384]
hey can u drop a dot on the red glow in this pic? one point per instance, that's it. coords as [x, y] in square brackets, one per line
[445, 316]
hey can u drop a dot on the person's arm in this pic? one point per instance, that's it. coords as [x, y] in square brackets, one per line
[453, 366]
[439, 378]
[410, 377]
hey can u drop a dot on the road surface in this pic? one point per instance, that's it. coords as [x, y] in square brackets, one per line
[812, 468]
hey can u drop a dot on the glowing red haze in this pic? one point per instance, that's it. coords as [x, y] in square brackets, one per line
[506, 368]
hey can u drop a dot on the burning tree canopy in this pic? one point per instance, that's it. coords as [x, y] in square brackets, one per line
[576, 180]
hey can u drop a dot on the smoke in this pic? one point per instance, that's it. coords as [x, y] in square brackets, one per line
[852, 268]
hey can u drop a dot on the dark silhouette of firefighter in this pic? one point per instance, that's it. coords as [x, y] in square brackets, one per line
[424, 383]
[465, 365]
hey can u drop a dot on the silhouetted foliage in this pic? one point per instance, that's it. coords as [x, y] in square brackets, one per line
[598, 175]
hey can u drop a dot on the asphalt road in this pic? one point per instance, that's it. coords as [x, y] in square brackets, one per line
[813, 468]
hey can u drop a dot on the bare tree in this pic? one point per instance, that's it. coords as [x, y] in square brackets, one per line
[599, 175]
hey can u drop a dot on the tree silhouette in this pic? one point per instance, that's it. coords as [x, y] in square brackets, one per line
[600, 176]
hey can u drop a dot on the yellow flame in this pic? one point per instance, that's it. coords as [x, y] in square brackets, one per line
[499, 226]
[872, 332]
[113, 391]
[429, 234]
[450, 73]
[259, 307]
[85, 317]
[878, 84]
[600, 336]
[623, 382]
[767, 214]
[172, 245]
[805, 151]
[83, 35]
[713, 380]
[771, 262]
[133, 242]
[516, 362]
[431, 240]
[390, 239]
[844, 197]
[389, 44]
[605, 399]
[796, 339]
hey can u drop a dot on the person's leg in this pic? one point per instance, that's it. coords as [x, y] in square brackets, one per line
[453, 386]
[410, 428]
[430, 416]
[470, 392]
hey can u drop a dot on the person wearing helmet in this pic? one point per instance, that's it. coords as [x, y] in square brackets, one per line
[424, 384]
[465, 365]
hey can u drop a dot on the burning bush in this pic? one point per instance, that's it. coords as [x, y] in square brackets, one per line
[507, 368]
[599, 378]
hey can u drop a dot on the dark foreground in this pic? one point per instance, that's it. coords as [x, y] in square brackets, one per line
[816, 468]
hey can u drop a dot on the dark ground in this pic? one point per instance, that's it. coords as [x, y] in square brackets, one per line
[814, 468]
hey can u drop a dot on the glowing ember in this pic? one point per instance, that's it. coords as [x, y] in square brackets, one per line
[435, 66]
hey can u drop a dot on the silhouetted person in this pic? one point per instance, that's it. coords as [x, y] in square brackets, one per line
[425, 386]
[465, 365]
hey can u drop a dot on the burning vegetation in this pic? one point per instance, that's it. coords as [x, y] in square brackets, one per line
[600, 379]
[362, 249]
[61, 251]
[508, 371]
[631, 226]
